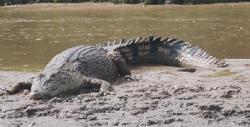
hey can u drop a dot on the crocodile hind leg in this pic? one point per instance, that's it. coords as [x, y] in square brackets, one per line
[120, 63]
[122, 66]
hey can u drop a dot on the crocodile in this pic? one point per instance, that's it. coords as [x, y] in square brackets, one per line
[98, 66]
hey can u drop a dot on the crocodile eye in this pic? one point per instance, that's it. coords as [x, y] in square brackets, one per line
[41, 76]
[53, 76]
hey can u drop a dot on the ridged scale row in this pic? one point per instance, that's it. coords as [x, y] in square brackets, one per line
[176, 51]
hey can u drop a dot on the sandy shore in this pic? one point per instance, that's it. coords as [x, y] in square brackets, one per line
[163, 96]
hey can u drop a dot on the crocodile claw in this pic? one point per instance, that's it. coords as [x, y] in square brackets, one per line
[130, 78]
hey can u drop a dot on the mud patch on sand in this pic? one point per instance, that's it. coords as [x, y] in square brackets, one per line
[220, 73]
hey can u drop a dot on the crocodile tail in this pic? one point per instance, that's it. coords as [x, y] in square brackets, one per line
[190, 55]
[169, 51]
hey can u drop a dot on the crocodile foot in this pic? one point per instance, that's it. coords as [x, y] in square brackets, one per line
[105, 87]
[129, 78]
[18, 87]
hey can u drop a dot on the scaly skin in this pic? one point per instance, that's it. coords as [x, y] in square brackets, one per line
[77, 67]
[167, 51]
[97, 66]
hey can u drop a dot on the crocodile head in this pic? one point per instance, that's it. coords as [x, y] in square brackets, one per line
[47, 85]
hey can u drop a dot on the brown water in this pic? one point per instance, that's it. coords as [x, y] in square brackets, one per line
[31, 35]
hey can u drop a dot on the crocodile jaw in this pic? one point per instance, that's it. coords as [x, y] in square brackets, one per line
[37, 91]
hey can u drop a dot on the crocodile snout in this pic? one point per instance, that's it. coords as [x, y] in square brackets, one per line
[35, 95]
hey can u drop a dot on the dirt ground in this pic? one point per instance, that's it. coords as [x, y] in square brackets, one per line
[163, 96]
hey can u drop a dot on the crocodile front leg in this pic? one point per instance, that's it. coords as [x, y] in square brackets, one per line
[104, 86]
[20, 86]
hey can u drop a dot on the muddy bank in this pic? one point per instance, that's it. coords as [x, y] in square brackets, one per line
[163, 96]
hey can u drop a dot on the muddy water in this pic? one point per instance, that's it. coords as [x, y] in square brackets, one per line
[31, 35]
